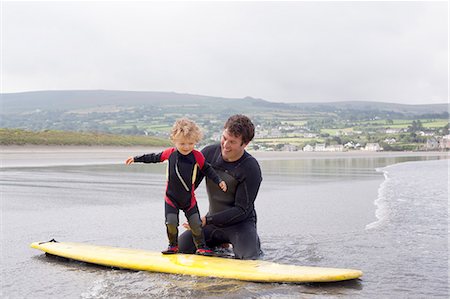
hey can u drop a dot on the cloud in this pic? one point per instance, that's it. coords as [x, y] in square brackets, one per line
[280, 51]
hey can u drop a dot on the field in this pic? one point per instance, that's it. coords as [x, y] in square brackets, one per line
[298, 141]
[404, 123]
[21, 137]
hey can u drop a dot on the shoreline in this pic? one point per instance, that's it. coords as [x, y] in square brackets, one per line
[38, 155]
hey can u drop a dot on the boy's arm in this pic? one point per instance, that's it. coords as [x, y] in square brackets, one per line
[152, 158]
[208, 171]
[201, 160]
[148, 158]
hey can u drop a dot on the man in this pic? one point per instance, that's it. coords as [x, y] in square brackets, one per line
[231, 217]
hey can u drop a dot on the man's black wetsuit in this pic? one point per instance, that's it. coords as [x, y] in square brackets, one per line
[182, 171]
[231, 217]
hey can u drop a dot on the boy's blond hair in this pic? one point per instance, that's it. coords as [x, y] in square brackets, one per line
[186, 128]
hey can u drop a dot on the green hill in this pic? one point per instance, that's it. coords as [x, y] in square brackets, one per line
[50, 137]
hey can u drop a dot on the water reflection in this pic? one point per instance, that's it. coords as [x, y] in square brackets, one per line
[307, 170]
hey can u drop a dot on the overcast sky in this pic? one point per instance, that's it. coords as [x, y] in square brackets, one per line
[279, 51]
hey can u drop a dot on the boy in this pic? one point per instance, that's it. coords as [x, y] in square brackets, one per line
[184, 162]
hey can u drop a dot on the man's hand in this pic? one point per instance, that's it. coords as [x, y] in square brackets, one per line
[186, 225]
[129, 161]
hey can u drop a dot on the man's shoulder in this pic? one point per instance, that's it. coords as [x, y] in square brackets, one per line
[248, 167]
[249, 159]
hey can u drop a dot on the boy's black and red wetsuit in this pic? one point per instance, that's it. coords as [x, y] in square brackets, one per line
[182, 172]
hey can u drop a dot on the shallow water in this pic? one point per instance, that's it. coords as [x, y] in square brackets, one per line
[391, 222]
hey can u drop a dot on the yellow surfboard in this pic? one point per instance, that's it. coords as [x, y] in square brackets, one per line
[189, 264]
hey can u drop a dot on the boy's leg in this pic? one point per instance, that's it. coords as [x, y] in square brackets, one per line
[195, 223]
[172, 223]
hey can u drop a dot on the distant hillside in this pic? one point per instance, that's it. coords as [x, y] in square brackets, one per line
[153, 113]
[81, 99]
[375, 106]
[66, 100]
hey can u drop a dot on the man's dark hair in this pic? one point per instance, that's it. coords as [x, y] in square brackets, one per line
[240, 125]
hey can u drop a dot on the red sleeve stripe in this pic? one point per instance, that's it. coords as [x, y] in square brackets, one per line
[166, 153]
[199, 158]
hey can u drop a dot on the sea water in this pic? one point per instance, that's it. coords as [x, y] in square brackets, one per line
[412, 225]
[385, 216]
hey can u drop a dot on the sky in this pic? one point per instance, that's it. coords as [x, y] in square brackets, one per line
[292, 51]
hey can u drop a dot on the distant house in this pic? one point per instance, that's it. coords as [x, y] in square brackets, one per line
[390, 140]
[259, 134]
[393, 131]
[308, 148]
[373, 147]
[349, 145]
[320, 147]
[432, 144]
[335, 148]
[348, 133]
[445, 142]
[310, 135]
[299, 131]
[289, 148]
[275, 133]
[216, 136]
[426, 133]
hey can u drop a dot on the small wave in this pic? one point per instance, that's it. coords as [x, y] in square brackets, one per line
[380, 202]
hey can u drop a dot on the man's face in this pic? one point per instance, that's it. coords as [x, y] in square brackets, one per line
[231, 146]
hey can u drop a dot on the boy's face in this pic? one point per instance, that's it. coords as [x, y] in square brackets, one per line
[184, 145]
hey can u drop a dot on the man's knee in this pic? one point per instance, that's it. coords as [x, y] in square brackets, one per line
[247, 248]
[186, 243]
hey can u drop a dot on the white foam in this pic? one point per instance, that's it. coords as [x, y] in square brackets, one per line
[380, 202]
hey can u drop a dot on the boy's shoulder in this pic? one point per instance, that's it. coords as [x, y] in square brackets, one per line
[167, 152]
[199, 158]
